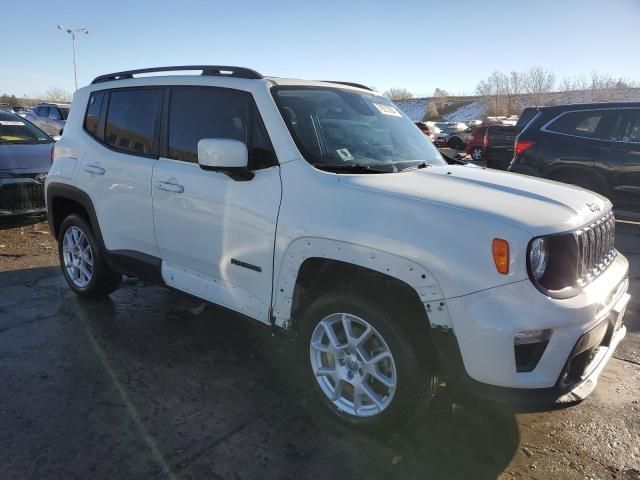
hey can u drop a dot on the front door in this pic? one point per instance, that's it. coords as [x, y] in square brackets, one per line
[216, 234]
[627, 169]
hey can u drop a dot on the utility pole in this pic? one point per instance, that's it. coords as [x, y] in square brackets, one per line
[73, 33]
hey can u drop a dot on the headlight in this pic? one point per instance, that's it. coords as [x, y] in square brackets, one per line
[538, 257]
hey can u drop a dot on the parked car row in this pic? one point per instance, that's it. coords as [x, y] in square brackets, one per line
[25, 159]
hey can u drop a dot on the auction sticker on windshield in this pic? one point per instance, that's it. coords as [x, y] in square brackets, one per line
[345, 154]
[12, 123]
[387, 110]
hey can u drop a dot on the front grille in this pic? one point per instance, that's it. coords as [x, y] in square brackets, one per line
[595, 248]
[22, 196]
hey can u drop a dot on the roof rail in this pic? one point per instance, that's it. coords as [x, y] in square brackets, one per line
[213, 70]
[349, 84]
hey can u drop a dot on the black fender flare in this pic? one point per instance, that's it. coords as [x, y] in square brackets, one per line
[61, 190]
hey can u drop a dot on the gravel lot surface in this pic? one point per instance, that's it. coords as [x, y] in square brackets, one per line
[155, 384]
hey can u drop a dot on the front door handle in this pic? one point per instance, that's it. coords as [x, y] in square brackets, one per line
[95, 169]
[170, 187]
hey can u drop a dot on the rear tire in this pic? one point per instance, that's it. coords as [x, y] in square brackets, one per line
[455, 143]
[372, 378]
[82, 260]
[476, 154]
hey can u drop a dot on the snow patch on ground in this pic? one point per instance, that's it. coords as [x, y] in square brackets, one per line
[471, 111]
[415, 108]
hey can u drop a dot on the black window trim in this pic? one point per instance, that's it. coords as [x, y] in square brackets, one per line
[555, 118]
[252, 108]
[102, 124]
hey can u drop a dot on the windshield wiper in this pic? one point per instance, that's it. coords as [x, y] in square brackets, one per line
[415, 167]
[354, 168]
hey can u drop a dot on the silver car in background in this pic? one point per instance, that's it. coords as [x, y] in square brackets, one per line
[50, 117]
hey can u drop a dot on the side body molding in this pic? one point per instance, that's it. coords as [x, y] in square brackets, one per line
[301, 249]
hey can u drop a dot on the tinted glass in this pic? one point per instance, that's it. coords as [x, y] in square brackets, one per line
[64, 112]
[92, 117]
[131, 119]
[339, 128]
[54, 113]
[15, 129]
[197, 113]
[43, 111]
[261, 154]
[629, 128]
[581, 124]
[526, 116]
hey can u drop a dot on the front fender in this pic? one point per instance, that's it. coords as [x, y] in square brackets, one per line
[301, 249]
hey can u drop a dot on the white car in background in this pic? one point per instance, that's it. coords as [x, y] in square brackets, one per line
[320, 210]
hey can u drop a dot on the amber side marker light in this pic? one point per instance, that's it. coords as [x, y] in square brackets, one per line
[500, 250]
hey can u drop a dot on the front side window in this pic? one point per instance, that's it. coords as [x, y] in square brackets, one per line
[131, 119]
[15, 129]
[198, 113]
[340, 129]
[54, 113]
[629, 127]
[580, 124]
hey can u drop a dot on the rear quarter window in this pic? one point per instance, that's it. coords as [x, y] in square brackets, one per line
[92, 116]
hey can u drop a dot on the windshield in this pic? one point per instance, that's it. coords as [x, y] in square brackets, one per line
[15, 129]
[342, 128]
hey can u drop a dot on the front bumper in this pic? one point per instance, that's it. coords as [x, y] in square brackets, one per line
[585, 331]
[21, 195]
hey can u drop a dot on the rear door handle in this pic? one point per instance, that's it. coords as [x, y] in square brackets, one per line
[170, 187]
[95, 169]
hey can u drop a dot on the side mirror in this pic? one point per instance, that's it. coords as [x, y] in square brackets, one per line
[56, 137]
[225, 155]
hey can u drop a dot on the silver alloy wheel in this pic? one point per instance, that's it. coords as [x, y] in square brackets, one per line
[476, 154]
[353, 365]
[77, 257]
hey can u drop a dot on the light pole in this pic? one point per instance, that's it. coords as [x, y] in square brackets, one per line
[73, 36]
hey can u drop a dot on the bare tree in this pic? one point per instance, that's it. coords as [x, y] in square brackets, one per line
[396, 94]
[441, 96]
[431, 112]
[538, 83]
[57, 94]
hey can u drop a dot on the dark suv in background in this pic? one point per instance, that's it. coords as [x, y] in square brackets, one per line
[494, 143]
[595, 146]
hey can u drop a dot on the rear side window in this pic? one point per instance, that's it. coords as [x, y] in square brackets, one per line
[198, 113]
[580, 124]
[92, 117]
[43, 111]
[131, 120]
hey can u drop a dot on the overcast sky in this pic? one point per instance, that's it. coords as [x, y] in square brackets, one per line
[418, 45]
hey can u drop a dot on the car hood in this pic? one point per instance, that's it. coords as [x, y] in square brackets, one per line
[535, 205]
[17, 158]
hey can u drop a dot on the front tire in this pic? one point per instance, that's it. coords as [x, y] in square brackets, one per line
[360, 364]
[82, 260]
[455, 143]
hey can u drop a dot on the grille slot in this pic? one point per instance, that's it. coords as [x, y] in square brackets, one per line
[595, 248]
[22, 196]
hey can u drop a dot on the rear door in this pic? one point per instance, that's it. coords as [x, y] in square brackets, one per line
[116, 172]
[216, 234]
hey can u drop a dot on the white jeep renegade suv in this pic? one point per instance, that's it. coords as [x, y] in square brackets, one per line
[319, 208]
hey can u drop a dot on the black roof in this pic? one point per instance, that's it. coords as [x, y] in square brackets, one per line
[589, 106]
